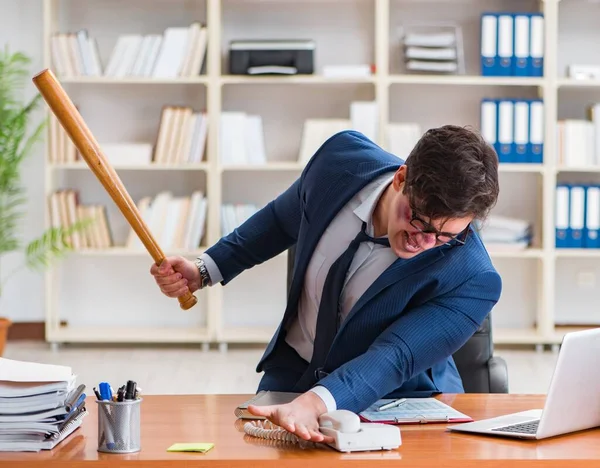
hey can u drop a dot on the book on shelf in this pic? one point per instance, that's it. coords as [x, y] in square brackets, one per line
[65, 211]
[62, 150]
[505, 233]
[242, 139]
[578, 140]
[401, 137]
[363, 116]
[181, 136]
[175, 222]
[75, 54]
[41, 405]
[235, 214]
[177, 52]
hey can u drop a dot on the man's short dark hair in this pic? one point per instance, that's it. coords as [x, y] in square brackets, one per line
[452, 172]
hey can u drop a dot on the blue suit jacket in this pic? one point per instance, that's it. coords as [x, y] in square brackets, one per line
[400, 336]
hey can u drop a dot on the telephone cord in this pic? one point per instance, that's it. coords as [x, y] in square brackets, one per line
[267, 430]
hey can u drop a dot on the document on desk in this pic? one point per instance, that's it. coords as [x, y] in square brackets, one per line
[413, 411]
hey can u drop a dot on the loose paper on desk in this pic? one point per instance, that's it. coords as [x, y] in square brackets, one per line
[414, 410]
[191, 447]
[22, 371]
[22, 379]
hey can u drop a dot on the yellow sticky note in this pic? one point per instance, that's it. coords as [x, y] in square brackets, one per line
[191, 447]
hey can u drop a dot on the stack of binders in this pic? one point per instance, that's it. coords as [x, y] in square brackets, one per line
[512, 44]
[577, 217]
[40, 405]
[515, 128]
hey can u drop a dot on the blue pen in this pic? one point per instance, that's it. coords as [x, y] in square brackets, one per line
[105, 391]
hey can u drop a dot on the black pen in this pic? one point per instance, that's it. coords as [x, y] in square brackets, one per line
[130, 390]
[97, 394]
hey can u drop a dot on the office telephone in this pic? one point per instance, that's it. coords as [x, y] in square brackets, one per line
[348, 432]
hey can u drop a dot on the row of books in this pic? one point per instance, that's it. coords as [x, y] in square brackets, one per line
[61, 149]
[182, 136]
[515, 127]
[175, 222]
[181, 139]
[502, 233]
[66, 211]
[41, 405]
[577, 216]
[578, 140]
[233, 215]
[512, 44]
[178, 52]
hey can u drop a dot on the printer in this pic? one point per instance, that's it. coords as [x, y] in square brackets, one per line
[271, 57]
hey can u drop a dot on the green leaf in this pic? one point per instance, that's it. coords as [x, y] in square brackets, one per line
[52, 245]
[16, 143]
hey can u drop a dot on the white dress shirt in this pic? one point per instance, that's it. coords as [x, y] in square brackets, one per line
[369, 262]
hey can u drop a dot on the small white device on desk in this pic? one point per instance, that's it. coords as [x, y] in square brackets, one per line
[348, 432]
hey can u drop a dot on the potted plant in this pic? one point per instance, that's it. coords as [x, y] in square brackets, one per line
[17, 140]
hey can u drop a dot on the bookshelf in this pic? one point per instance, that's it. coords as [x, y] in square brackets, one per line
[346, 32]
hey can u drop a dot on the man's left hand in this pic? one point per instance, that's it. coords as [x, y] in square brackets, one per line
[300, 417]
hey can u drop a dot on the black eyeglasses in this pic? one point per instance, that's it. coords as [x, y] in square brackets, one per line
[444, 238]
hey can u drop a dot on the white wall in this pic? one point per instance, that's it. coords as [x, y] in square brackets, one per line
[23, 297]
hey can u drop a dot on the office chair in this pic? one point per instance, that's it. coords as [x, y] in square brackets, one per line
[479, 369]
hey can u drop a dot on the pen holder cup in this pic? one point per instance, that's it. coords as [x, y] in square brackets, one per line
[119, 426]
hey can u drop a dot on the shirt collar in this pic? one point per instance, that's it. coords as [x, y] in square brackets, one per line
[365, 209]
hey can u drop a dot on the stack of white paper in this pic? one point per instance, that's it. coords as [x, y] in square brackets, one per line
[40, 405]
[501, 232]
[431, 52]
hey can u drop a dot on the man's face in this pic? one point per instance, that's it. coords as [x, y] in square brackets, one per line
[410, 233]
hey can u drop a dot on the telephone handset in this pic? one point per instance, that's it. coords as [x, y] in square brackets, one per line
[348, 432]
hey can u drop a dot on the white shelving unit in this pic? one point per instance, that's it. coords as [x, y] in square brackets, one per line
[124, 305]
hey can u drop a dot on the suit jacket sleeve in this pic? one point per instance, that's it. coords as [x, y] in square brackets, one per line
[267, 233]
[416, 341]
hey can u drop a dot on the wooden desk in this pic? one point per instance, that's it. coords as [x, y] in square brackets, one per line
[209, 418]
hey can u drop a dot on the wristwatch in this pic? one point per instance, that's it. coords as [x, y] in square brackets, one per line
[204, 276]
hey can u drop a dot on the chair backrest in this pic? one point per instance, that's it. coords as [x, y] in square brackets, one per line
[471, 359]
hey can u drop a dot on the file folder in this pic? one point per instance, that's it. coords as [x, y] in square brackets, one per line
[489, 126]
[536, 47]
[414, 411]
[505, 130]
[576, 217]
[521, 132]
[489, 44]
[521, 59]
[505, 44]
[592, 217]
[561, 216]
[536, 131]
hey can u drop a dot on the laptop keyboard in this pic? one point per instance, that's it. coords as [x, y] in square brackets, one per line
[522, 428]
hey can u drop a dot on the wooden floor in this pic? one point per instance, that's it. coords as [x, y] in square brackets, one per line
[172, 370]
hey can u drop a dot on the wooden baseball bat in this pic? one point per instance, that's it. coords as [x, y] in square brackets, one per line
[71, 120]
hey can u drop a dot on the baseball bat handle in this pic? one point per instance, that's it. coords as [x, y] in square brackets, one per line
[83, 139]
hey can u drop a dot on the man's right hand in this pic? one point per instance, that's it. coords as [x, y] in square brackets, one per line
[176, 275]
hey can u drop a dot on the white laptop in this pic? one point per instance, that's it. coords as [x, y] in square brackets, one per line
[573, 400]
